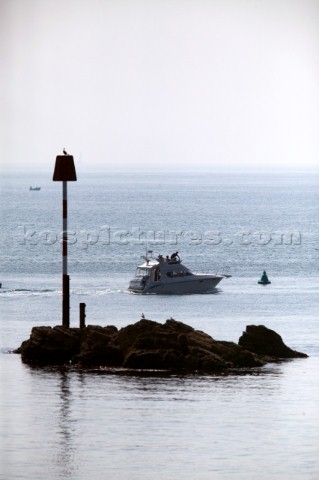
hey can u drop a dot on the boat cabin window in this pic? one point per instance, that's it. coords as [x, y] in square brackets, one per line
[178, 273]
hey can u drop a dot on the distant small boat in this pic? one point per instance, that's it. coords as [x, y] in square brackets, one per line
[35, 188]
[264, 279]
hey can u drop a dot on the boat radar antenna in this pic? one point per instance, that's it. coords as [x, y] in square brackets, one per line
[148, 252]
[148, 255]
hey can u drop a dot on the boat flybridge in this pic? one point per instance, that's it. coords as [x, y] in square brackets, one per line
[167, 275]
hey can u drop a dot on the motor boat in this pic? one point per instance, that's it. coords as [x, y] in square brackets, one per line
[168, 275]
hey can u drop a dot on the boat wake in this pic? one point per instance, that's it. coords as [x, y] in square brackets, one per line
[98, 292]
[27, 292]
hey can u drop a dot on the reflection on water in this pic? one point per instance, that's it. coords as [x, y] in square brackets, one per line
[78, 425]
[65, 463]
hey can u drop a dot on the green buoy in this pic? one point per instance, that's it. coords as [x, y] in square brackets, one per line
[264, 279]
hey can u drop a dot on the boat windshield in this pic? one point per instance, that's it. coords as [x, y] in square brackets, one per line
[141, 272]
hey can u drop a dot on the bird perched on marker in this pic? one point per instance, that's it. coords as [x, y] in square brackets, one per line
[143, 316]
[65, 152]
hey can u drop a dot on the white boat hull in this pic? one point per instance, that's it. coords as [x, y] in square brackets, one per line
[187, 285]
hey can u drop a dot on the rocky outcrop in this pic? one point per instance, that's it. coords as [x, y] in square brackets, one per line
[173, 346]
[263, 341]
[51, 345]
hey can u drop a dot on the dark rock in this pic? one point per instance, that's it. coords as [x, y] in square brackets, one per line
[51, 345]
[203, 360]
[99, 355]
[213, 363]
[95, 346]
[172, 325]
[263, 341]
[238, 356]
[173, 360]
[94, 334]
[127, 336]
[141, 359]
[173, 346]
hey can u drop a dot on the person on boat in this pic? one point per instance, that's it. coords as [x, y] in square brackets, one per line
[157, 275]
[175, 257]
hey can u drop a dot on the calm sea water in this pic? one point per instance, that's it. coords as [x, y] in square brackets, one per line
[59, 423]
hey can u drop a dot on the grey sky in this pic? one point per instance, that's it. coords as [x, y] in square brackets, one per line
[160, 83]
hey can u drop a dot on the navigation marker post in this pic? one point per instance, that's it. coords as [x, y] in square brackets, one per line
[64, 172]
